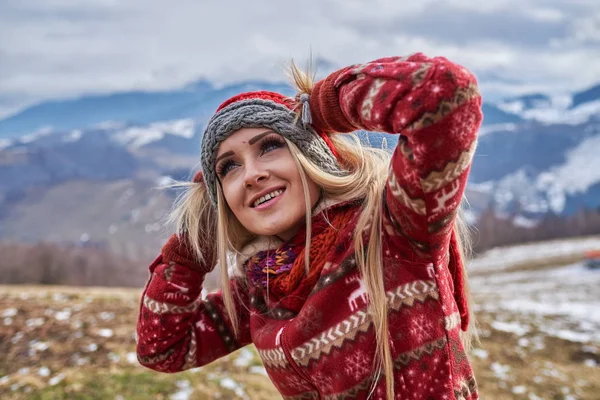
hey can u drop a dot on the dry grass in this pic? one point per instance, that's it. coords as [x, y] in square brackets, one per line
[78, 343]
[511, 366]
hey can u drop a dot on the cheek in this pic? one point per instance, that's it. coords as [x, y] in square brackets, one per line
[232, 197]
[293, 176]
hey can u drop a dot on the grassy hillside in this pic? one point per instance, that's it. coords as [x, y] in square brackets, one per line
[540, 339]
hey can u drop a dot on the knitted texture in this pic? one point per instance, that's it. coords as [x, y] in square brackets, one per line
[289, 285]
[318, 341]
[327, 114]
[178, 251]
[266, 265]
[261, 110]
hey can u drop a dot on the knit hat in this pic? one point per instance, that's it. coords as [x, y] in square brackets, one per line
[263, 109]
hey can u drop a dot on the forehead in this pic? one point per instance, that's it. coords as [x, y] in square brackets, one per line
[240, 139]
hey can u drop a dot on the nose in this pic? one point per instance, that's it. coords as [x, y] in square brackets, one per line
[254, 175]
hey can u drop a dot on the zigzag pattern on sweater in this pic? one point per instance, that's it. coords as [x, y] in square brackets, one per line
[333, 337]
[416, 205]
[416, 354]
[445, 107]
[273, 358]
[160, 307]
[409, 293]
[369, 101]
[419, 75]
[435, 227]
[360, 321]
[336, 336]
[466, 389]
[158, 358]
[438, 179]
[190, 357]
[223, 330]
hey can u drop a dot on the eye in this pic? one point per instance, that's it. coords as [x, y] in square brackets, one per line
[224, 167]
[271, 143]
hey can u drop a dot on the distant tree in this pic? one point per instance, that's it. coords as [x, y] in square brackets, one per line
[51, 264]
[492, 230]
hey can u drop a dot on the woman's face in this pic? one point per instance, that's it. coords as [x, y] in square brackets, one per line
[261, 183]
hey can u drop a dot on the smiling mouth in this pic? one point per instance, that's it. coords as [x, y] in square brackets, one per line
[268, 197]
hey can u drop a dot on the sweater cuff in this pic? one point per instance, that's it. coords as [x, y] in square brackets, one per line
[325, 107]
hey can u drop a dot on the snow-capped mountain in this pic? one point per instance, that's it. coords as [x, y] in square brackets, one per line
[107, 152]
[533, 168]
[50, 159]
[197, 101]
[160, 134]
[566, 108]
[537, 154]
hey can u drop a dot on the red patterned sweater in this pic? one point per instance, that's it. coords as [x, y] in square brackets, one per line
[326, 349]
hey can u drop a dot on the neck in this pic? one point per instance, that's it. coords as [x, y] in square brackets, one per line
[261, 243]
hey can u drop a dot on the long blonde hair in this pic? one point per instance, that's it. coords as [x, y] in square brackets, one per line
[366, 173]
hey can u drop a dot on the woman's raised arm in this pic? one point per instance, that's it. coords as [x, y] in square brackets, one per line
[436, 106]
[176, 329]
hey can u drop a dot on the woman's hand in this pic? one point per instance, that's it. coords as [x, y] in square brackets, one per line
[179, 250]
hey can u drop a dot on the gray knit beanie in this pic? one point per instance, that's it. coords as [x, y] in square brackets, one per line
[264, 110]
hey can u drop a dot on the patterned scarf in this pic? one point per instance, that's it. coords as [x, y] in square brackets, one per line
[283, 270]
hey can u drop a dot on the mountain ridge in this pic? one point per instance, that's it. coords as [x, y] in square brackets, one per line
[536, 157]
[199, 99]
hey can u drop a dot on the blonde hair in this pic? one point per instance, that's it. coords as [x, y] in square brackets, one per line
[366, 173]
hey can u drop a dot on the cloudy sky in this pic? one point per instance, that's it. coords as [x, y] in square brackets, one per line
[60, 48]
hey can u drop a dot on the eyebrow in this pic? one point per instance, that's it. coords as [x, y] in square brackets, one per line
[250, 142]
[227, 154]
[258, 137]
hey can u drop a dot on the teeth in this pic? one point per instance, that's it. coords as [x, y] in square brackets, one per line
[268, 196]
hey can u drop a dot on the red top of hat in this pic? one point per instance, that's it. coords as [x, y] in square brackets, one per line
[263, 95]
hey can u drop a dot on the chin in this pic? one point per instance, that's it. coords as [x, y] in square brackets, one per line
[282, 229]
[272, 230]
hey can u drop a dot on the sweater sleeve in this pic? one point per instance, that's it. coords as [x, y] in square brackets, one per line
[177, 329]
[436, 107]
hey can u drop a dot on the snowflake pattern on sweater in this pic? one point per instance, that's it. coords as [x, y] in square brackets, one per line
[326, 349]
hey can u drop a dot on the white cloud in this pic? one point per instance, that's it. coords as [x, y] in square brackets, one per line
[546, 14]
[60, 48]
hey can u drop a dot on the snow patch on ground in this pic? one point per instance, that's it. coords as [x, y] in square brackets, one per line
[185, 391]
[505, 257]
[567, 298]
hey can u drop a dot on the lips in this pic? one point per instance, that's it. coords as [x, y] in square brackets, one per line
[266, 197]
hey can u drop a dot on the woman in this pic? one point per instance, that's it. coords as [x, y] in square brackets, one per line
[346, 267]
